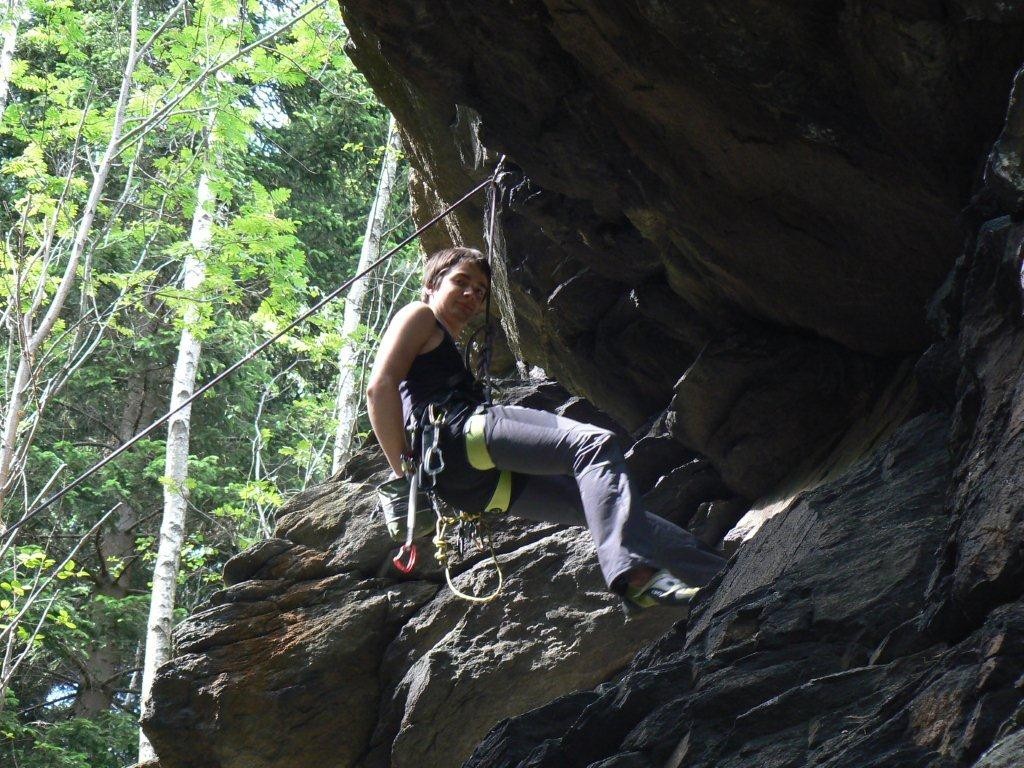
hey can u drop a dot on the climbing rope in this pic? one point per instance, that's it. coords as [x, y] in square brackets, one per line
[252, 354]
[483, 540]
[483, 368]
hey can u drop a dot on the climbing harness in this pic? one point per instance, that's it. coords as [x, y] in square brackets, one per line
[475, 525]
[480, 458]
[469, 527]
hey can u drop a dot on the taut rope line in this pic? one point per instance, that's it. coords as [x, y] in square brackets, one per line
[235, 366]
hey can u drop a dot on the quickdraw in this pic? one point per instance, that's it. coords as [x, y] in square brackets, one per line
[425, 476]
[479, 528]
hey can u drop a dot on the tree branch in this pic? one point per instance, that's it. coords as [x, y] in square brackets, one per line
[161, 113]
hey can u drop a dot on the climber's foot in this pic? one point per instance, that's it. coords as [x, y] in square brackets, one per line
[662, 589]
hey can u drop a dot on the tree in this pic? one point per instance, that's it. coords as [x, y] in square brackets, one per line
[10, 19]
[172, 526]
[349, 391]
[34, 336]
[301, 146]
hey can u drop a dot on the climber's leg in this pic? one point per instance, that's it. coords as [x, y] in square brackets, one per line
[538, 443]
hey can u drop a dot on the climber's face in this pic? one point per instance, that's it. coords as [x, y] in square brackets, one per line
[459, 295]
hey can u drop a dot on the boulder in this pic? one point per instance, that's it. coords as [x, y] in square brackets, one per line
[279, 671]
[319, 651]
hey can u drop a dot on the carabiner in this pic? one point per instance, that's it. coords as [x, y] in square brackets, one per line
[433, 460]
[406, 550]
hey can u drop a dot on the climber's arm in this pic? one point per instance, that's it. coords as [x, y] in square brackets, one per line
[405, 338]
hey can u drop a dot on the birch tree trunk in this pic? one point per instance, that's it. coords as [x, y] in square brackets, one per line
[172, 527]
[347, 406]
[10, 18]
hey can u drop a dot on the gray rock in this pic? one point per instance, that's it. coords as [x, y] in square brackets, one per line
[775, 663]
[983, 560]
[811, 179]
[455, 670]
[714, 519]
[281, 679]
[652, 457]
[1004, 171]
[625, 760]
[678, 495]
[1005, 753]
[757, 405]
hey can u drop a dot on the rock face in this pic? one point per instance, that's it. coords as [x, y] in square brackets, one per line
[317, 652]
[877, 622]
[723, 173]
[755, 236]
[983, 558]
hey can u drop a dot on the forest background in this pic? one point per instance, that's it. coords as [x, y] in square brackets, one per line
[178, 180]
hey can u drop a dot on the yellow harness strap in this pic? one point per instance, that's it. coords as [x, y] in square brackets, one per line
[480, 458]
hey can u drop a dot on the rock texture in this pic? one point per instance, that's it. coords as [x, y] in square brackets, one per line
[721, 174]
[803, 164]
[318, 652]
[983, 558]
[776, 244]
[805, 633]
[876, 622]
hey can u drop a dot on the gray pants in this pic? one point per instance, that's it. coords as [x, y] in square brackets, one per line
[576, 476]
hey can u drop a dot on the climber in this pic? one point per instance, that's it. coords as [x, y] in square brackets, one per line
[559, 470]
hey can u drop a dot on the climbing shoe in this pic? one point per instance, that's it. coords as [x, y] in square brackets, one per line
[663, 589]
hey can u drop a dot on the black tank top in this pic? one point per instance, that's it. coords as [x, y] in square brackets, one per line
[441, 375]
[435, 374]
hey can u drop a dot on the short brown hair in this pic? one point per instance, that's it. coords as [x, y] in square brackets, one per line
[439, 262]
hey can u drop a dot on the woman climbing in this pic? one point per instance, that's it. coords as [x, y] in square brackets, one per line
[560, 470]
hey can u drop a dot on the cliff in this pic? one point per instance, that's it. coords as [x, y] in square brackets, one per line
[779, 246]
